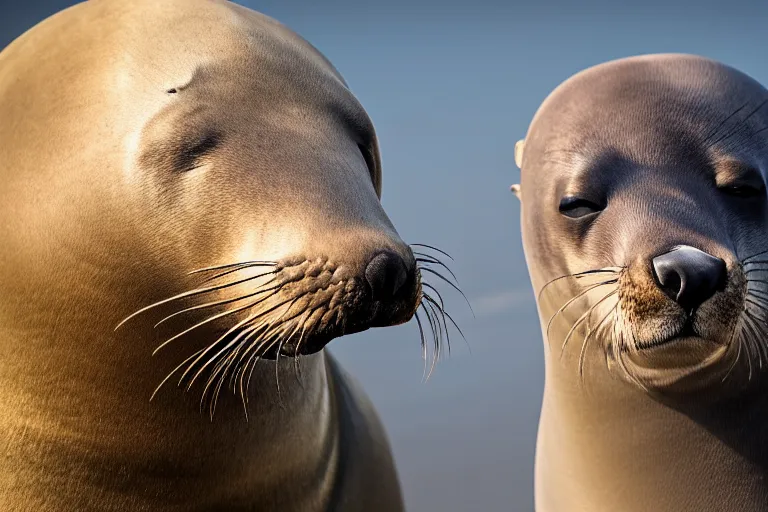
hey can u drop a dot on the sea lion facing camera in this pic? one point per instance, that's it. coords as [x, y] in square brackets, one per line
[644, 228]
[198, 151]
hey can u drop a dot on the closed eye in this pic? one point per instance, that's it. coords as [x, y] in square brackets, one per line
[575, 207]
[190, 156]
[745, 191]
[738, 179]
[369, 161]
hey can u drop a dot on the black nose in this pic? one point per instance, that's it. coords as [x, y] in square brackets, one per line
[689, 276]
[386, 273]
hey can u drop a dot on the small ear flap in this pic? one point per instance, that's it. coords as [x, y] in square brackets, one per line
[519, 146]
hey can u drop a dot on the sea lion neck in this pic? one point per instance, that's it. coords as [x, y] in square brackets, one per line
[617, 435]
[98, 422]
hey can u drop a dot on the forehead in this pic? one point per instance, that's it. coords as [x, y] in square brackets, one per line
[246, 64]
[647, 109]
[170, 41]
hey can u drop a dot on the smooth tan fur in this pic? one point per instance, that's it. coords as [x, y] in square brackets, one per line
[143, 140]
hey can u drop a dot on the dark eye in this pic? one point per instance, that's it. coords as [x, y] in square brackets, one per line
[576, 207]
[746, 191]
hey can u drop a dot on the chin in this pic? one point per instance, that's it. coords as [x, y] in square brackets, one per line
[682, 364]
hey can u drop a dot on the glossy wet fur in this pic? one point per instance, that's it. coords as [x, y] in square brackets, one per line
[622, 165]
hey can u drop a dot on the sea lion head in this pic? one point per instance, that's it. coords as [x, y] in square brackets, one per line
[644, 219]
[203, 167]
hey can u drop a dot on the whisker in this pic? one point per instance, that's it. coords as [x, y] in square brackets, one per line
[433, 329]
[757, 281]
[259, 329]
[434, 309]
[634, 377]
[231, 343]
[438, 343]
[755, 338]
[434, 249]
[280, 345]
[738, 349]
[190, 293]
[741, 125]
[747, 346]
[625, 369]
[241, 368]
[233, 359]
[579, 275]
[243, 333]
[432, 271]
[581, 319]
[573, 299]
[441, 310]
[752, 298]
[256, 348]
[300, 326]
[745, 260]
[219, 382]
[173, 372]
[440, 314]
[421, 334]
[260, 348]
[253, 263]
[435, 261]
[279, 325]
[755, 262]
[727, 118]
[751, 270]
[251, 343]
[258, 291]
[449, 317]
[588, 314]
[590, 332]
[440, 297]
[297, 351]
[211, 379]
[211, 319]
[232, 271]
[757, 294]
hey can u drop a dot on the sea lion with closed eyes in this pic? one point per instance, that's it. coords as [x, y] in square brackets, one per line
[197, 167]
[644, 228]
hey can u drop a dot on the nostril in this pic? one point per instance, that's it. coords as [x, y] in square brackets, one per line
[689, 276]
[386, 274]
[669, 281]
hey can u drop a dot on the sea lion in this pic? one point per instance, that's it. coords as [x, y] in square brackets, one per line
[644, 229]
[198, 167]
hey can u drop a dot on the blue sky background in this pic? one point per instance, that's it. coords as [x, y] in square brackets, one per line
[450, 87]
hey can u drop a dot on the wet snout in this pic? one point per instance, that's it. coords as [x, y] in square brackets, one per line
[392, 283]
[347, 281]
[681, 292]
[386, 274]
[689, 276]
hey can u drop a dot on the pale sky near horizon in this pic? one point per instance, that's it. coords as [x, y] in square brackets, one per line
[450, 87]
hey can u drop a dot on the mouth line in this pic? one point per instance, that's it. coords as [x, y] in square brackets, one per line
[297, 346]
[686, 332]
[314, 342]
